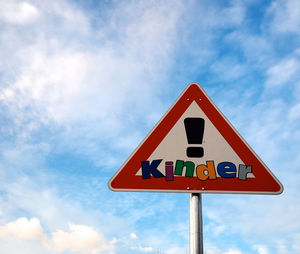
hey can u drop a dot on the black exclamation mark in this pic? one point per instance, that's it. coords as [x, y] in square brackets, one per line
[194, 127]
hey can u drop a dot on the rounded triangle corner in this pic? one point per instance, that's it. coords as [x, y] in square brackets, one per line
[279, 186]
[281, 189]
[194, 84]
[110, 184]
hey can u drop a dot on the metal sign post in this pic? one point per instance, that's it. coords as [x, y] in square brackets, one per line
[196, 226]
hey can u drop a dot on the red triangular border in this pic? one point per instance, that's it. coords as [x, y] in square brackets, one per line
[126, 179]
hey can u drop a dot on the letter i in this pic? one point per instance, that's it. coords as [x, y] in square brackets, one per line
[169, 171]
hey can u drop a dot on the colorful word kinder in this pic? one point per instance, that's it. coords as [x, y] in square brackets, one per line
[204, 172]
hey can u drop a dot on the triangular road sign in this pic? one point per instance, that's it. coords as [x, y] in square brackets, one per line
[194, 148]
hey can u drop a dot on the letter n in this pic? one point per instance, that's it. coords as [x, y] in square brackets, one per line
[189, 168]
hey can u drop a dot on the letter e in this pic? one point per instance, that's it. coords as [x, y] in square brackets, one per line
[227, 169]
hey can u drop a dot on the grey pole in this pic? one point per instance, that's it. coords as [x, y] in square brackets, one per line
[196, 227]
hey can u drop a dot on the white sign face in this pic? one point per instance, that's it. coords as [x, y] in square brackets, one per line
[174, 145]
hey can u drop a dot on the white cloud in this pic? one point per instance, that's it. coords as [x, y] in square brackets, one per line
[133, 236]
[142, 249]
[71, 18]
[294, 112]
[297, 51]
[282, 247]
[261, 249]
[213, 249]
[296, 242]
[233, 251]
[176, 250]
[42, 80]
[9, 246]
[22, 228]
[61, 84]
[80, 238]
[215, 229]
[18, 12]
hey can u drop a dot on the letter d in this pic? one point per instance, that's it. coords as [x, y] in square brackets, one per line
[207, 171]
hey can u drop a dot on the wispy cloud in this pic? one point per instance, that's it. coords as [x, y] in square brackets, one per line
[20, 13]
[286, 16]
[283, 73]
[73, 88]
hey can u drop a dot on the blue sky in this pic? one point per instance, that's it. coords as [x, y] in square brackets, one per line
[83, 82]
